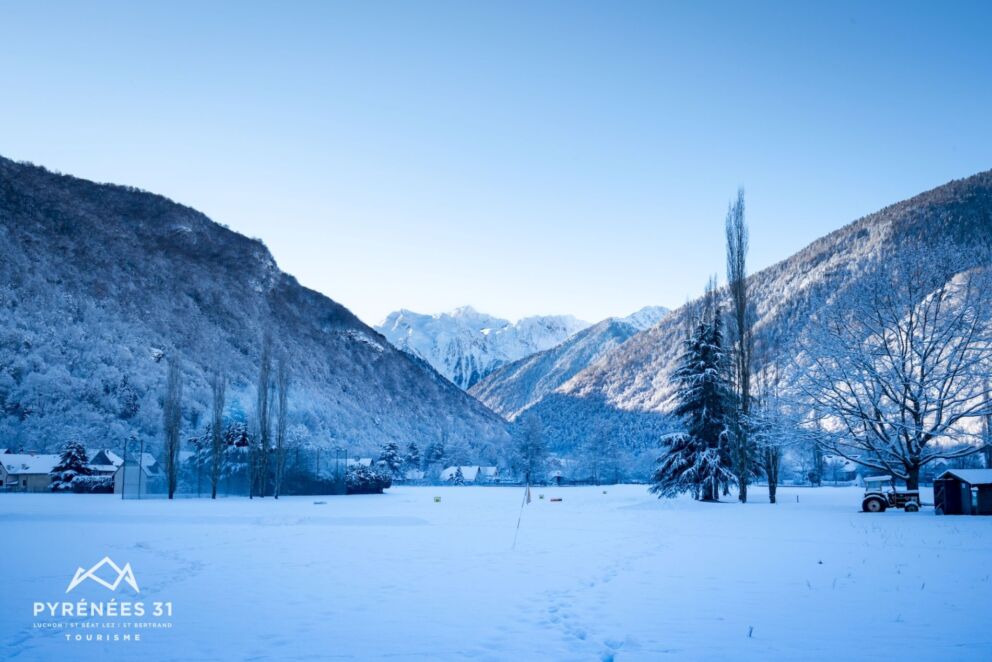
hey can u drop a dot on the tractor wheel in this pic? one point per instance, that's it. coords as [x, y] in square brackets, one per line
[873, 505]
[912, 507]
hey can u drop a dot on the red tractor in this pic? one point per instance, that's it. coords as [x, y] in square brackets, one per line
[881, 493]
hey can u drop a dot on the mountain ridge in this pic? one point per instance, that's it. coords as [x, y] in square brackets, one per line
[632, 381]
[106, 279]
[465, 345]
[514, 387]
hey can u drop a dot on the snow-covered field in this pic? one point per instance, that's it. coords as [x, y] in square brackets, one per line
[401, 577]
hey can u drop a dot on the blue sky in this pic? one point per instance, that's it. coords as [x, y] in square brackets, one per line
[525, 158]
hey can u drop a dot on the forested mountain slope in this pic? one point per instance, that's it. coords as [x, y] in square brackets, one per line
[99, 284]
[518, 385]
[631, 385]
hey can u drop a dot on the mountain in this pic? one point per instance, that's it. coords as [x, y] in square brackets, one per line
[465, 345]
[518, 385]
[628, 389]
[646, 317]
[100, 284]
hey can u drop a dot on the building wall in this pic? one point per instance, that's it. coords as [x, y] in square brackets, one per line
[126, 479]
[35, 482]
[985, 500]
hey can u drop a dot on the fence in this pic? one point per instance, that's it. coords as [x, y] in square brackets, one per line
[239, 471]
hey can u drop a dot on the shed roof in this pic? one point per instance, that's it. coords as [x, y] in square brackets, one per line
[16, 463]
[970, 476]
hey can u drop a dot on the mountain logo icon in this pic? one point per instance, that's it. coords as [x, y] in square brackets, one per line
[124, 574]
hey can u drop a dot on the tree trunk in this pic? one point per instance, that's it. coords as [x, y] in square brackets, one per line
[913, 477]
[771, 471]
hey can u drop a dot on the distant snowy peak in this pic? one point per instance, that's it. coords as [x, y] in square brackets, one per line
[646, 317]
[465, 345]
[516, 386]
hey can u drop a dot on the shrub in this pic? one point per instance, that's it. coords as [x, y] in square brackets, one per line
[92, 485]
[366, 480]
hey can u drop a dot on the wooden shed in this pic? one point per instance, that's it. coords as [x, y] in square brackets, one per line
[963, 492]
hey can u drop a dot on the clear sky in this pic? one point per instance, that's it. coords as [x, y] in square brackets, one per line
[524, 158]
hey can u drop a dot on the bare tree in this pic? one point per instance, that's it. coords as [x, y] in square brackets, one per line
[741, 338]
[218, 387]
[530, 452]
[264, 397]
[987, 422]
[282, 391]
[896, 378]
[172, 422]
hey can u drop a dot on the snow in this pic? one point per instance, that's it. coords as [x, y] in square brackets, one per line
[972, 476]
[465, 345]
[469, 473]
[607, 572]
[24, 463]
[646, 317]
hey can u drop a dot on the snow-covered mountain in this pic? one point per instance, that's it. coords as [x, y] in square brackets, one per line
[465, 345]
[646, 317]
[518, 385]
[627, 390]
[98, 283]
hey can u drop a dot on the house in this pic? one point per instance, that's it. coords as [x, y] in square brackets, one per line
[413, 475]
[837, 469]
[471, 474]
[359, 461]
[27, 472]
[963, 492]
[104, 462]
[487, 475]
[139, 476]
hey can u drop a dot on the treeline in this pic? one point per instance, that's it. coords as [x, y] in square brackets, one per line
[894, 374]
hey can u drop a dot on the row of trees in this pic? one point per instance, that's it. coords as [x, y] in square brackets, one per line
[272, 391]
[893, 375]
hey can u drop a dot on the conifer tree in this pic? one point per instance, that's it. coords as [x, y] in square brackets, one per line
[389, 457]
[697, 460]
[412, 458]
[72, 462]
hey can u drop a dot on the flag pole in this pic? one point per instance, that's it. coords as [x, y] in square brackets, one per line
[523, 503]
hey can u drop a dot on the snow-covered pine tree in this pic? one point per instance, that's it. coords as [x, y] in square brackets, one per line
[412, 459]
[697, 460]
[434, 454]
[73, 462]
[457, 478]
[389, 457]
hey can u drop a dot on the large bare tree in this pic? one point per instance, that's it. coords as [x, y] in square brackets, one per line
[987, 423]
[741, 338]
[172, 422]
[896, 378]
[770, 425]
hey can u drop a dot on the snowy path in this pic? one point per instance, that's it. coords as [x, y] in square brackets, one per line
[400, 577]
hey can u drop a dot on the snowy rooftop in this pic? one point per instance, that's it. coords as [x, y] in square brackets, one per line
[104, 460]
[29, 464]
[971, 476]
[469, 473]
